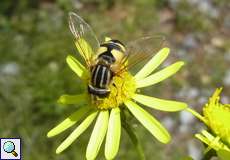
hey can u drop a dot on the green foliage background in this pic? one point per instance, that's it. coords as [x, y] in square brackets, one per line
[35, 39]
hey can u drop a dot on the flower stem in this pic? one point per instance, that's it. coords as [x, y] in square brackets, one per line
[133, 137]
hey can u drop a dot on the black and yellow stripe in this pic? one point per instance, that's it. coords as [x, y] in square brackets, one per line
[102, 93]
[101, 77]
[109, 53]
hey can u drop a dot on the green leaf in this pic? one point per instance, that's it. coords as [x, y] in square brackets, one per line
[97, 135]
[77, 67]
[160, 75]
[68, 122]
[160, 104]
[77, 132]
[113, 134]
[149, 122]
[153, 64]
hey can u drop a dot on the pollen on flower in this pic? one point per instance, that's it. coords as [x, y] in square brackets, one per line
[122, 88]
[218, 117]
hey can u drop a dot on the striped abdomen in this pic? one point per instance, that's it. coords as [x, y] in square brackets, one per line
[101, 77]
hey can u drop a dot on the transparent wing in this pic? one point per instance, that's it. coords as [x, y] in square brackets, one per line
[140, 50]
[85, 39]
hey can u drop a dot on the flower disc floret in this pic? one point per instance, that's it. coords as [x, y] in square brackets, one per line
[122, 88]
[218, 117]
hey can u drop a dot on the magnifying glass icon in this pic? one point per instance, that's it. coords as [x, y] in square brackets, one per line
[9, 147]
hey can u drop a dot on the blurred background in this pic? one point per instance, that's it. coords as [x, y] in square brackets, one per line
[35, 39]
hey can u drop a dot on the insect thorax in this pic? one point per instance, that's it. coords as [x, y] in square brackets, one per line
[111, 52]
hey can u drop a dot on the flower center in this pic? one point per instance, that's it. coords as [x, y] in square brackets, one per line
[218, 117]
[122, 88]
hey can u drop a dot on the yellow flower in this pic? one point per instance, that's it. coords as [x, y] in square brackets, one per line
[107, 110]
[216, 116]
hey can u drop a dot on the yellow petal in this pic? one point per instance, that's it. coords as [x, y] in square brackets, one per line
[152, 64]
[160, 75]
[97, 135]
[211, 141]
[149, 122]
[197, 115]
[113, 134]
[77, 132]
[76, 66]
[68, 122]
[160, 104]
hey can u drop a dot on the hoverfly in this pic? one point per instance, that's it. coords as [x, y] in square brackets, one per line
[111, 57]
